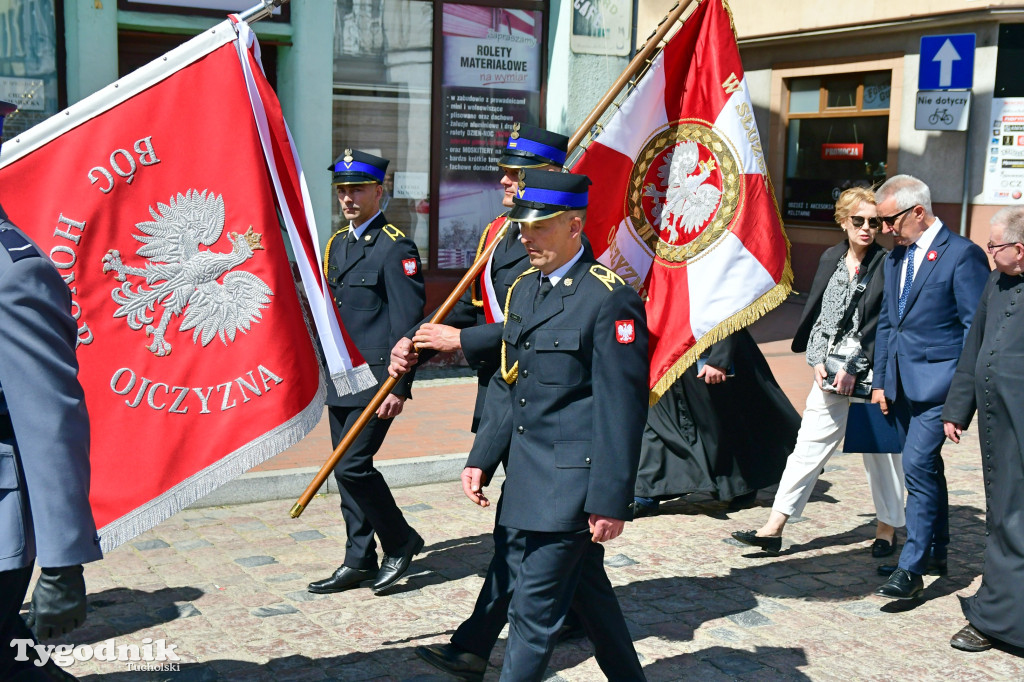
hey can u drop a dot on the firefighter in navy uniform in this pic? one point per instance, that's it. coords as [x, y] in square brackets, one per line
[465, 328]
[569, 406]
[374, 274]
[44, 456]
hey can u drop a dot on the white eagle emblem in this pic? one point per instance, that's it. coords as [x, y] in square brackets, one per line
[624, 331]
[689, 200]
[183, 279]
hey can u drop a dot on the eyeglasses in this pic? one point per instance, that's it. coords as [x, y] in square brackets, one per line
[992, 248]
[891, 219]
[858, 222]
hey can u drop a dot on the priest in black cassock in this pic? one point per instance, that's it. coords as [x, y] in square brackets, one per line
[989, 379]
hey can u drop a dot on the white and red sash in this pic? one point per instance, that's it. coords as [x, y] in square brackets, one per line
[493, 308]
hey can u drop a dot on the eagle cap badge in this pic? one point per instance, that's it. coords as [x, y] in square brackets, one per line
[348, 156]
[515, 130]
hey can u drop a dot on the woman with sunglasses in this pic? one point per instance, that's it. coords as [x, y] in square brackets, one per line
[854, 261]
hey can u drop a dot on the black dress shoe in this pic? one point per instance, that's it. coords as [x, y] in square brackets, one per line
[934, 567]
[882, 548]
[902, 584]
[345, 578]
[744, 501]
[640, 510]
[750, 537]
[394, 567]
[969, 639]
[454, 660]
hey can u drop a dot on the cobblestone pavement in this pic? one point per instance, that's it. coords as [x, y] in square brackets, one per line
[226, 586]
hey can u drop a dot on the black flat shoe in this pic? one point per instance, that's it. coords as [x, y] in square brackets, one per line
[394, 567]
[882, 548]
[902, 584]
[969, 639]
[750, 537]
[935, 567]
[454, 660]
[345, 578]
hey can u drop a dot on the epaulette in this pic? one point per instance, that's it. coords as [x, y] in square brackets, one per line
[17, 246]
[393, 232]
[510, 374]
[606, 276]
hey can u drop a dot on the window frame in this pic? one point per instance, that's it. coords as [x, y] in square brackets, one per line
[783, 74]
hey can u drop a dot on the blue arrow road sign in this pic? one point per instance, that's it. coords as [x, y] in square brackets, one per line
[947, 62]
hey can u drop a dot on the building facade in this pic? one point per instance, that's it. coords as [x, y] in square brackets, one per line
[434, 86]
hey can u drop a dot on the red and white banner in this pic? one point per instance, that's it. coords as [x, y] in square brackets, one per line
[681, 206]
[157, 199]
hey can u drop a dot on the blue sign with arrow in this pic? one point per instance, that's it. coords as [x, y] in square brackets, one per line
[947, 62]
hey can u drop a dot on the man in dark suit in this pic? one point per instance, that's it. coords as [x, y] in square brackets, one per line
[374, 274]
[44, 456]
[574, 362]
[933, 280]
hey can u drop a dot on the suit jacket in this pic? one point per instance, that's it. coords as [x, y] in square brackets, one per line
[378, 286]
[44, 427]
[919, 353]
[574, 417]
[868, 307]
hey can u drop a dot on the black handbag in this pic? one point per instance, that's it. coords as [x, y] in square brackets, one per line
[838, 354]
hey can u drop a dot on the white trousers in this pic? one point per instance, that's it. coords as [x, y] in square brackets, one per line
[821, 430]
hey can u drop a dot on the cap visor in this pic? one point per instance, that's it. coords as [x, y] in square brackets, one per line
[355, 179]
[522, 214]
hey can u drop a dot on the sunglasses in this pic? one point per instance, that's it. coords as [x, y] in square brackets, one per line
[891, 219]
[858, 222]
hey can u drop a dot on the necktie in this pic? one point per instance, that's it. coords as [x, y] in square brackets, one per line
[908, 281]
[545, 288]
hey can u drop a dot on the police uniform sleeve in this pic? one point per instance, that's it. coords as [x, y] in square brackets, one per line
[620, 390]
[406, 298]
[39, 375]
[482, 344]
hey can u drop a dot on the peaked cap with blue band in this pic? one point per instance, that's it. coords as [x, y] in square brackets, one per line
[358, 168]
[532, 147]
[544, 194]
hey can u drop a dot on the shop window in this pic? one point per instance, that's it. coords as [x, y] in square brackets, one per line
[28, 62]
[836, 138]
[382, 88]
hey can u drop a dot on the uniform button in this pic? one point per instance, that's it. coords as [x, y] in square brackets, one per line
[987, 379]
[363, 280]
[556, 340]
[991, 352]
[1007, 314]
[522, 401]
[526, 373]
[520, 429]
[588, 460]
[526, 345]
[988, 364]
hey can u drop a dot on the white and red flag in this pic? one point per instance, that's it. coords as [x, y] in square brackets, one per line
[681, 205]
[157, 199]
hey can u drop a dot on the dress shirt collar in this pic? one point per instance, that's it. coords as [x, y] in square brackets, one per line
[358, 231]
[558, 274]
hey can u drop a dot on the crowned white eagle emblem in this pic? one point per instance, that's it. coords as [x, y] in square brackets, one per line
[689, 200]
[183, 279]
[625, 332]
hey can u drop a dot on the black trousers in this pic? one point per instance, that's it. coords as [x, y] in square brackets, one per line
[577, 567]
[13, 587]
[366, 501]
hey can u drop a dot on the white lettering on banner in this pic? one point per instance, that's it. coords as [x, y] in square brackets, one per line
[750, 126]
[123, 164]
[64, 257]
[160, 396]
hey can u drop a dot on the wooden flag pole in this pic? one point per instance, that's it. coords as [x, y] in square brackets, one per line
[389, 384]
[638, 61]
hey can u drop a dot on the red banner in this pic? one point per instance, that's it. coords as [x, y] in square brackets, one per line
[156, 203]
[682, 206]
[831, 151]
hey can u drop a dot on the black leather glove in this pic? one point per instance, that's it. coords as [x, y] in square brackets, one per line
[58, 602]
